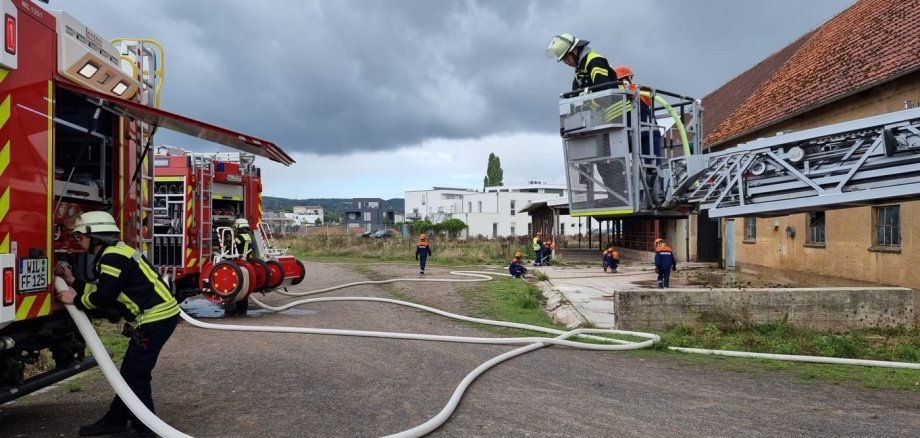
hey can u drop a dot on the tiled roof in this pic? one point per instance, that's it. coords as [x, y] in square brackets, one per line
[871, 42]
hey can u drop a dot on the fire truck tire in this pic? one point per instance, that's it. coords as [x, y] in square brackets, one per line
[276, 272]
[303, 273]
[262, 274]
[226, 279]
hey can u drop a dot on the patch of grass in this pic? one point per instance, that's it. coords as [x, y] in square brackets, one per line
[74, 386]
[511, 300]
[338, 248]
[111, 337]
[899, 345]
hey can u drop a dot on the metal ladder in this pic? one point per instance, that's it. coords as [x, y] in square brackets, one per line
[204, 170]
[146, 207]
[859, 162]
[265, 241]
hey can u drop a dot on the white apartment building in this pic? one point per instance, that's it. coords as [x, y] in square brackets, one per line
[494, 212]
[306, 215]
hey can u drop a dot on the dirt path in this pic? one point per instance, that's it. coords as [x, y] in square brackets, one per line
[229, 384]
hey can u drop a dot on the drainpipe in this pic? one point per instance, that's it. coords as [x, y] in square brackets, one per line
[687, 233]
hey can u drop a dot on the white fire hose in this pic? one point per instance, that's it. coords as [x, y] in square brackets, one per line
[533, 343]
[111, 373]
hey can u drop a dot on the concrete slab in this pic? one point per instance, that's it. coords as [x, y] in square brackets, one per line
[587, 294]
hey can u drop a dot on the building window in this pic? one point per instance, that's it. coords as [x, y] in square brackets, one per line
[750, 229]
[469, 207]
[441, 209]
[373, 204]
[359, 204]
[887, 226]
[367, 216]
[415, 211]
[815, 228]
[512, 208]
[480, 206]
[494, 229]
[513, 225]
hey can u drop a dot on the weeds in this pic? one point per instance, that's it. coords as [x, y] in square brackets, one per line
[345, 247]
[783, 338]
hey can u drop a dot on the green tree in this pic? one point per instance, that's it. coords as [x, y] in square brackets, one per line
[453, 227]
[494, 172]
[420, 226]
[318, 222]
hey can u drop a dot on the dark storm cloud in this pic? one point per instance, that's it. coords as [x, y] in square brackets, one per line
[334, 77]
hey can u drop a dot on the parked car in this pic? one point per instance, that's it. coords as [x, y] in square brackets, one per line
[368, 233]
[383, 234]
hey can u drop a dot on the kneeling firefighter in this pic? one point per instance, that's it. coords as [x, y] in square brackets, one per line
[126, 281]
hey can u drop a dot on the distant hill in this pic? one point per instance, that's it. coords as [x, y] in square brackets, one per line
[337, 205]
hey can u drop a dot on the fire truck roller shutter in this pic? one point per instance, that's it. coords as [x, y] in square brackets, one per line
[185, 125]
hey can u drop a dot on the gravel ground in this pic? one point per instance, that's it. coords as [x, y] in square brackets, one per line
[232, 384]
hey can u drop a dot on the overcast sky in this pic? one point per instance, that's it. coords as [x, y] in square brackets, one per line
[373, 98]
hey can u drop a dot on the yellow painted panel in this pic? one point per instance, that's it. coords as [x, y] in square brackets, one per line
[600, 213]
[5, 111]
[168, 178]
[24, 306]
[46, 306]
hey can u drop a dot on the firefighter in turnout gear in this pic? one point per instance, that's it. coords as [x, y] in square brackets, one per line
[538, 248]
[126, 281]
[243, 244]
[243, 240]
[591, 70]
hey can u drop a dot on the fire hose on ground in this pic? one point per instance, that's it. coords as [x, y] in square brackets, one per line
[532, 343]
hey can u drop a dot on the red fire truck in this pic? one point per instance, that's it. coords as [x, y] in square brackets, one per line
[197, 199]
[77, 119]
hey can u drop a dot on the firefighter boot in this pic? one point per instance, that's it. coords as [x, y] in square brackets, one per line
[101, 428]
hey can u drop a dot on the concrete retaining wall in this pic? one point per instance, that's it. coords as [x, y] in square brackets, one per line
[817, 308]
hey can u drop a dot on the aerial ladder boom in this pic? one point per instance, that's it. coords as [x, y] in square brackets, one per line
[865, 161]
[615, 166]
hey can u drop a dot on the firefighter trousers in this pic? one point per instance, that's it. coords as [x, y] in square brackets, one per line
[422, 261]
[143, 351]
[664, 278]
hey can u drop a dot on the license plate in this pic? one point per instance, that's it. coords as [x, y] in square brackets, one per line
[33, 274]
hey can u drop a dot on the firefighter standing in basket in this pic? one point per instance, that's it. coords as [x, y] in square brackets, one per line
[125, 281]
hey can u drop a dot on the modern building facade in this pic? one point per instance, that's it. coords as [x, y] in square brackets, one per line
[492, 213]
[368, 214]
[307, 215]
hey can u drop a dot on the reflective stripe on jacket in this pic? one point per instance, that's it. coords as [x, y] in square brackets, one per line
[243, 242]
[664, 258]
[125, 280]
[423, 249]
[592, 70]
